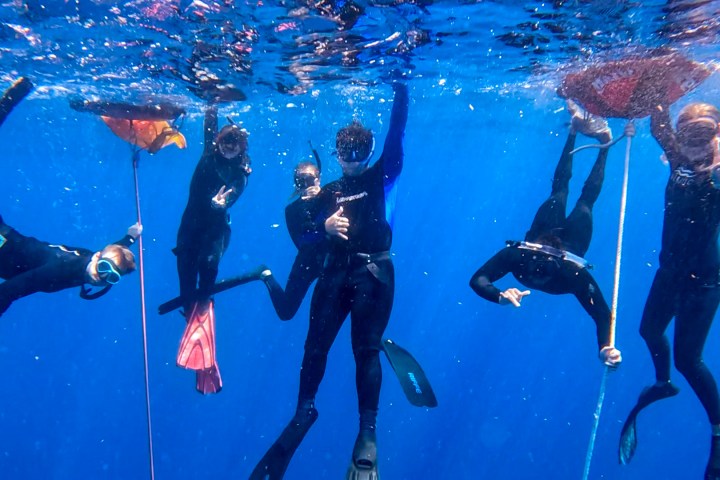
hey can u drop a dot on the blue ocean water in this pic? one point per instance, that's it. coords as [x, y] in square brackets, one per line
[516, 387]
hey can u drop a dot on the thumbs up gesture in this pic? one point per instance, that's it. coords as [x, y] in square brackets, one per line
[336, 225]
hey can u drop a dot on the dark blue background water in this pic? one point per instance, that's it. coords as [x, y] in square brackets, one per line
[517, 387]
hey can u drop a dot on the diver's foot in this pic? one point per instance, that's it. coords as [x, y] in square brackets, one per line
[588, 124]
[261, 273]
[712, 471]
[656, 392]
[364, 459]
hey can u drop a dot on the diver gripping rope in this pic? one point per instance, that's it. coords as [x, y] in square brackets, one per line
[613, 310]
[141, 270]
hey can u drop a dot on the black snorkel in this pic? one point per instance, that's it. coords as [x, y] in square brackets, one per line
[317, 157]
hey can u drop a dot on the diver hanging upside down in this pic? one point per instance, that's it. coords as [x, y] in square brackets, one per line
[218, 181]
[29, 265]
[551, 257]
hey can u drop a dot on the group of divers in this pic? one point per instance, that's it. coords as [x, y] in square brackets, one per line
[343, 234]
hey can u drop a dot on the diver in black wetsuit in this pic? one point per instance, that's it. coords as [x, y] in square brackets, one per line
[301, 219]
[358, 279]
[29, 265]
[687, 283]
[218, 181]
[550, 258]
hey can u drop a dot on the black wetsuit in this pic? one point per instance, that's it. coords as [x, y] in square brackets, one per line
[29, 265]
[549, 273]
[686, 284]
[204, 232]
[358, 278]
[301, 219]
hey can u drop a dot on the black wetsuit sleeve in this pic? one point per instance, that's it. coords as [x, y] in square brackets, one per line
[126, 241]
[494, 269]
[51, 277]
[210, 128]
[238, 187]
[392, 155]
[303, 222]
[661, 127]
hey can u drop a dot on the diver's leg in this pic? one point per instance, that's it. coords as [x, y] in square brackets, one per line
[551, 213]
[692, 325]
[210, 261]
[330, 305]
[659, 311]
[579, 226]
[372, 304]
[304, 271]
[187, 266]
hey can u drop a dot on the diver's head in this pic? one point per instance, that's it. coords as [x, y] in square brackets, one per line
[306, 175]
[354, 145]
[110, 264]
[697, 124]
[231, 142]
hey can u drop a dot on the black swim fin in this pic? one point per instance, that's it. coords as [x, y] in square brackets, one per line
[221, 286]
[363, 465]
[628, 435]
[275, 462]
[413, 380]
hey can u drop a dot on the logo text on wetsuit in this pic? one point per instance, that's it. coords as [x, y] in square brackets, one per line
[683, 176]
[351, 198]
[415, 383]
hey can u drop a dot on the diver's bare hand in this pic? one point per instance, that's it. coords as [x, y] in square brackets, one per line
[513, 295]
[336, 225]
[629, 129]
[610, 356]
[135, 230]
[220, 200]
[310, 192]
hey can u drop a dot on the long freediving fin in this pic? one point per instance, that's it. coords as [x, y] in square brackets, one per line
[221, 286]
[628, 436]
[413, 380]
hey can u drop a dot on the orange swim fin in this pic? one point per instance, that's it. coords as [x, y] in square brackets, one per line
[197, 346]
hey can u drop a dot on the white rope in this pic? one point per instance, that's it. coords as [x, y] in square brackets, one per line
[613, 310]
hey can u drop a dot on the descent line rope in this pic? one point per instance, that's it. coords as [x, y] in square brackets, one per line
[613, 310]
[135, 160]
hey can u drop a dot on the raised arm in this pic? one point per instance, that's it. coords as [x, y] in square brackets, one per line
[133, 232]
[210, 127]
[392, 155]
[13, 95]
[661, 127]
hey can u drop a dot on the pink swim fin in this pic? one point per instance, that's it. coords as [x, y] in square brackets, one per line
[197, 346]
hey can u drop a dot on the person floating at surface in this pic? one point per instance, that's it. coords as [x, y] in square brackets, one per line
[29, 265]
[13, 96]
[218, 181]
[551, 257]
[300, 217]
[358, 279]
[687, 282]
